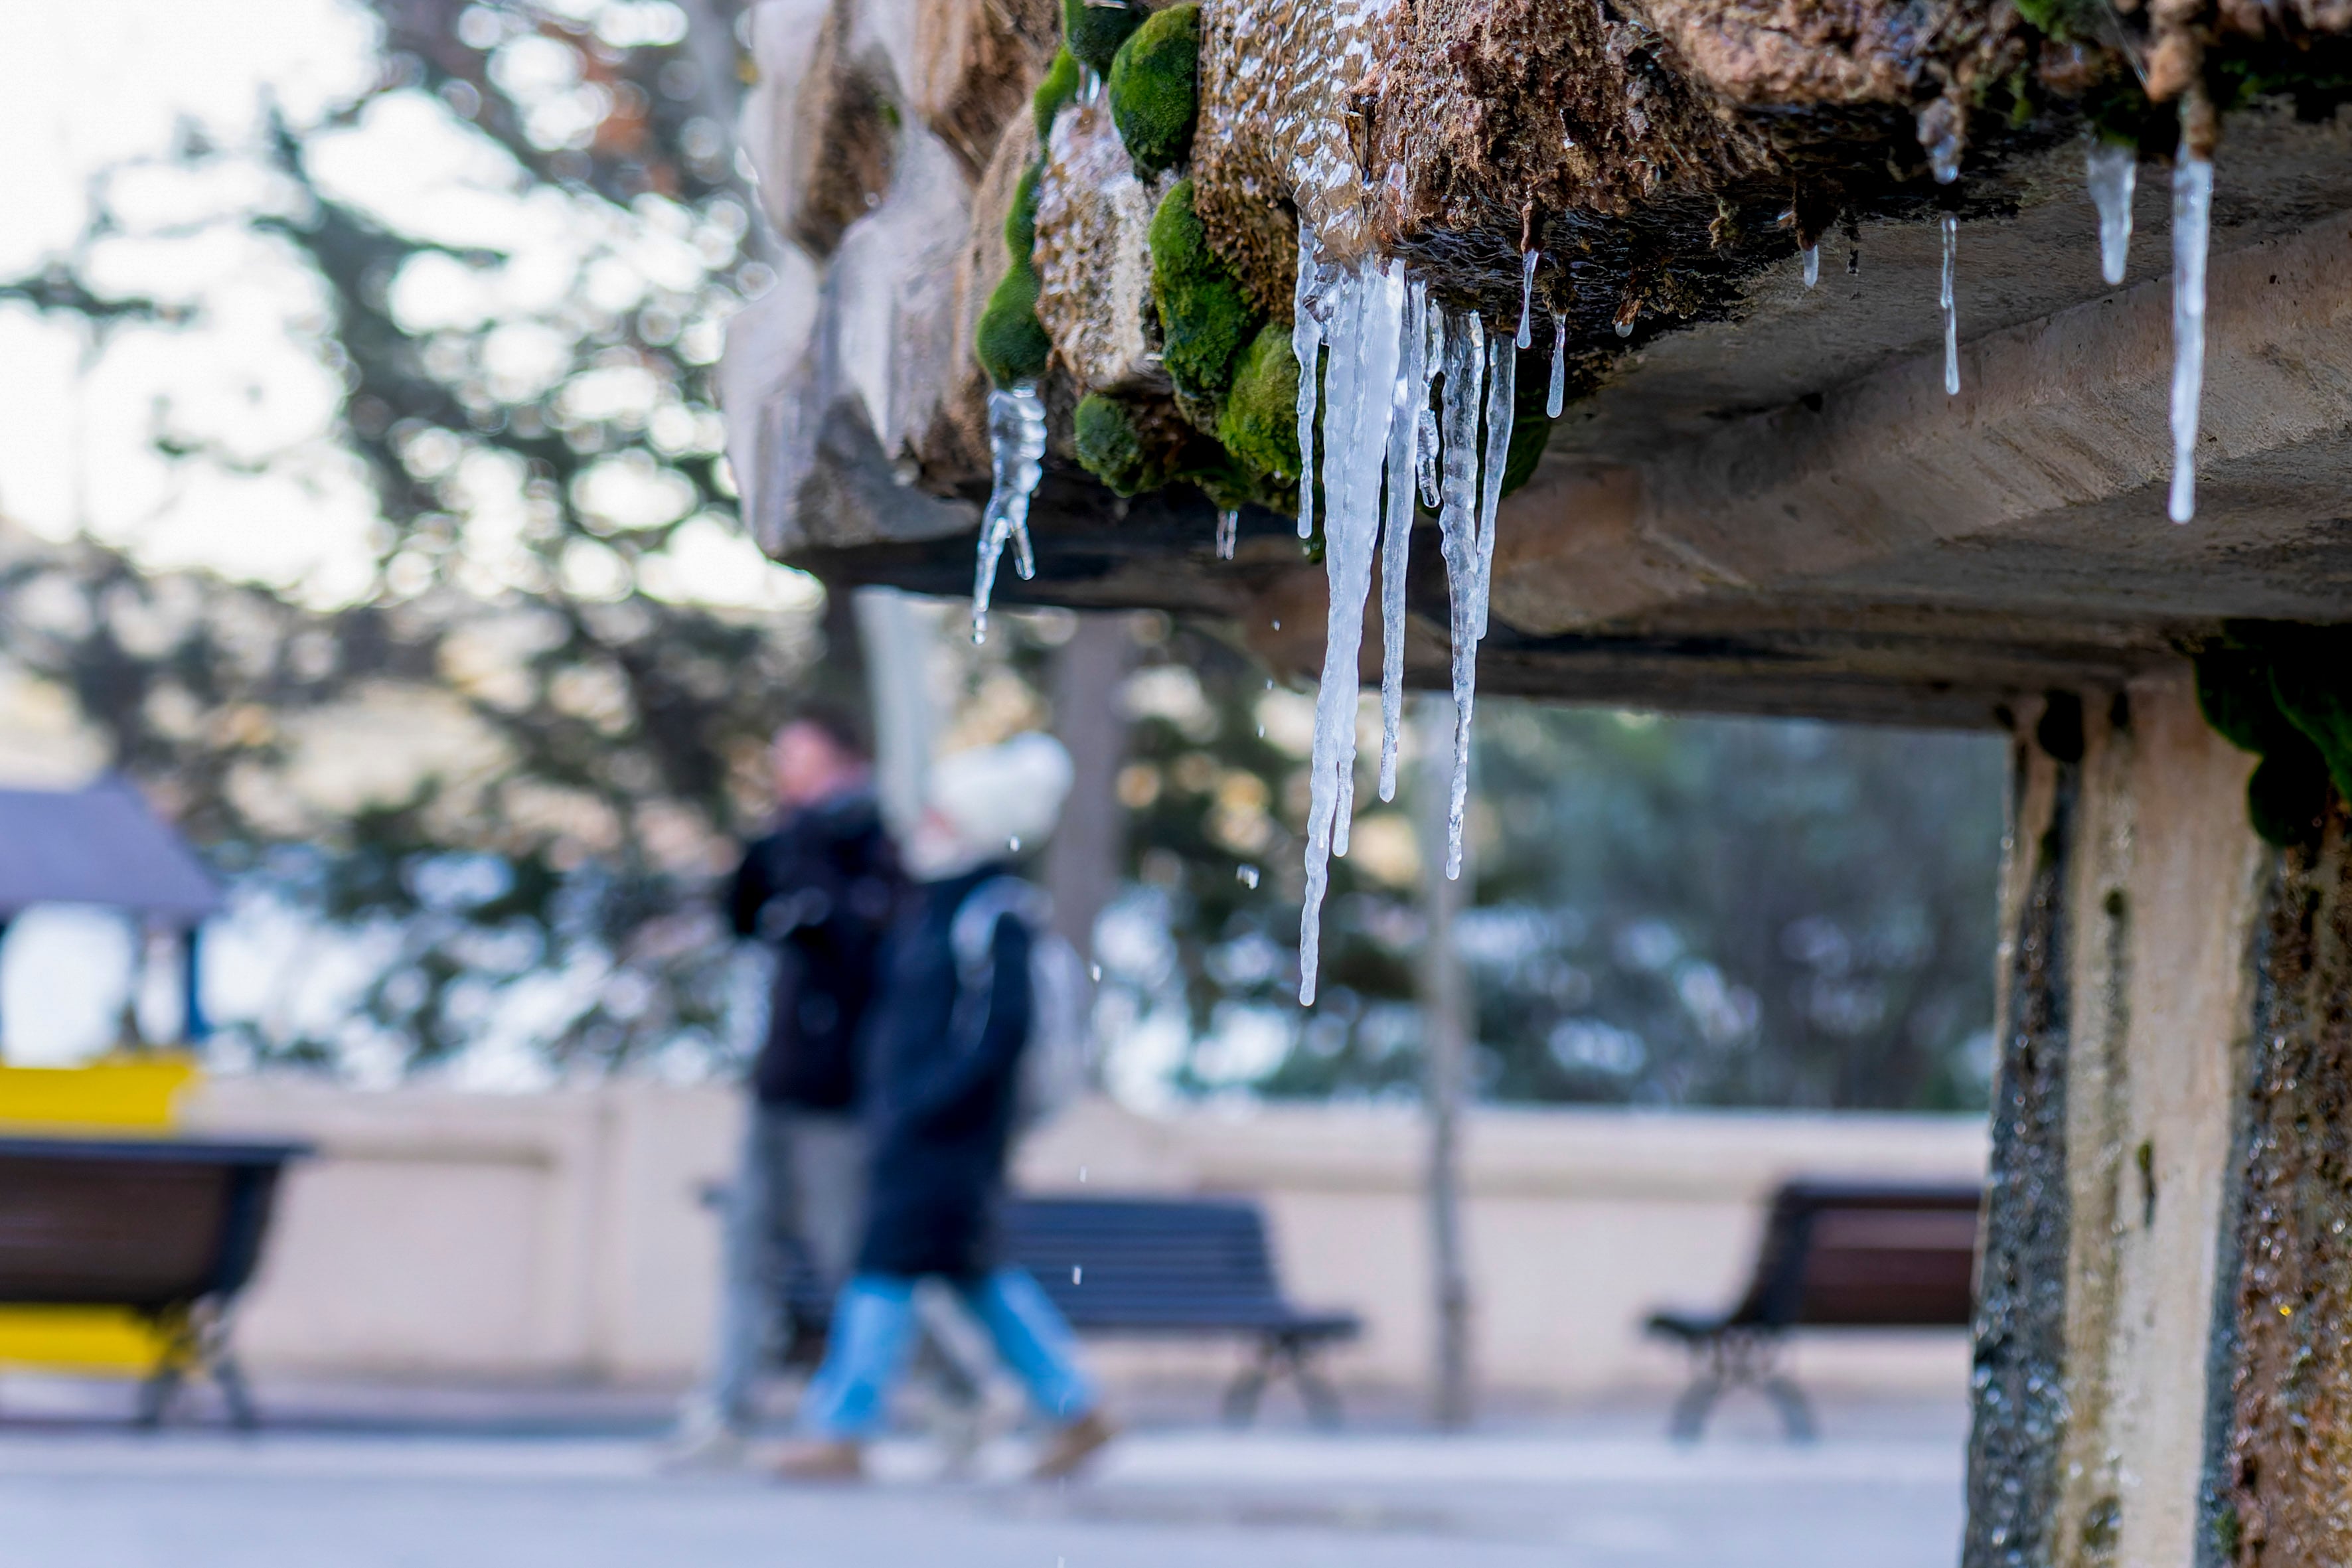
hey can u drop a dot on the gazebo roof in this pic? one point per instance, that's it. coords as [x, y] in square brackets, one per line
[101, 845]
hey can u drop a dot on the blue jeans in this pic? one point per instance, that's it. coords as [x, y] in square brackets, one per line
[874, 1322]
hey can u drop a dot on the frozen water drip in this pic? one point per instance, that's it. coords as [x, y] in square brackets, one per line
[1017, 447]
[2113, 168]
[1951, 312]
[1556, 398]
[2193, 213]
[1396, 527]
[1229, 528]
[1813, 264]
[1527, 295]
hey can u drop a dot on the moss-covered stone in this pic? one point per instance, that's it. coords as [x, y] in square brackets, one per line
[1059, 87]
[1154, 88]
[1010, 341]
[1259, 424]
[2280, 691]
[1094, 32]
[1204, 318]
[1132, 444]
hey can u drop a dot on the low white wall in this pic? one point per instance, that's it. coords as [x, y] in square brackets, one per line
[450, 1233]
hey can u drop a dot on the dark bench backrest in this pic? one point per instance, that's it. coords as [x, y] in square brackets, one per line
[1144, 1263]
[1137, 1264]
[1848, 1254]
[88, 1224]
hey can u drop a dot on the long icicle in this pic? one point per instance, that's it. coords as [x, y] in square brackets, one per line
[1502, 393]
[1457, 532]
[2193, 212]
[1396, 539]
[1527, 259]
[1307, 346]
[1951, 310]
[1366, 323]
[2111, 168]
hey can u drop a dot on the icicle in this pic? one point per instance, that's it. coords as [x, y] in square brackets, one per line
[1425, 445]
[1229, 528]
[2192, 210]
[1556, 398]
[1016, 445]
[1813, 264]
[1457, 532]
[1527, 295]
[1951, 312]
[1502, 391]
[1306, 344]
[1396, 538]
[1366, 321]
[2114, 170]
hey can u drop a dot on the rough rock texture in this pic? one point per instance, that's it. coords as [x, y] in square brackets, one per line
[975, 61]
[843, 143]
[1094, 256]
[2285, 1500]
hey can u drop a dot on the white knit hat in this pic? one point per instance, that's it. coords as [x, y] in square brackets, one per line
[983, 804]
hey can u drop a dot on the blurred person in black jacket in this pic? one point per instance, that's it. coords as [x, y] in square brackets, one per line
[945, 1050]
[816, 894]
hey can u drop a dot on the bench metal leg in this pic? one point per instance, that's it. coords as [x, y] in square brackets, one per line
[1248, 1388]
[1277, 1356]
[1315, 1390]
[196, 1341]
[1733, 1359]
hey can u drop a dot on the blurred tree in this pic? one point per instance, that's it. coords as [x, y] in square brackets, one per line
[515, 750]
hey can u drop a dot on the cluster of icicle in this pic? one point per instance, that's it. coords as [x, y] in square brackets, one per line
[1385, 443]
[1016, 447]
[2113, 169]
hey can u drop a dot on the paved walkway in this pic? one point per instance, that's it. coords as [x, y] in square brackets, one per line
[1586, 1493]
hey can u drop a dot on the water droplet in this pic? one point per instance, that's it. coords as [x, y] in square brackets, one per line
[1556, 397]
[1813, 264]
[1014, 843]
[1246, 875]
[1229, 523]
[1094, 971]
[1077, 1275]
[1278, 623]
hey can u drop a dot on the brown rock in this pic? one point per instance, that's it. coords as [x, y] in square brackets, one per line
[976, 63]
[1094, 256]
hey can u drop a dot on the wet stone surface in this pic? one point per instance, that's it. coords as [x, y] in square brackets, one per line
[2019, 1385]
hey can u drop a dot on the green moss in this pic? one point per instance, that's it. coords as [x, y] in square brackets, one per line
[1060, 86]
[1021, 217]
[1259, 424]
[1094, 33]
[2064, 18]
[2279, 691]
[1125, 445]
[1155, 88]
[1010, 340]
[1204, 317]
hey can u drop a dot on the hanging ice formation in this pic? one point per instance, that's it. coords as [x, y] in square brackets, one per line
[2193, 211]
[1229, 527]
[1527, 295]
[1396, 525]
[1813, 264]
[1951, 312]
[1307, 346]
[2113, 168]
[1016, 447]
[1556, 397]
[1457, 532]
[1365, 311]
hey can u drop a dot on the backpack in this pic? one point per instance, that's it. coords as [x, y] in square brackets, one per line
[1057, 1060]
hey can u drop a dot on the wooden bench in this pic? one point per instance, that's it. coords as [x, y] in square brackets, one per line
[168, 1228]
[1835, 1254]
[1151, 1266]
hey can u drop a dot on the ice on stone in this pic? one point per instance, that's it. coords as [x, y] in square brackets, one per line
[1526, 296]
[1813, 264]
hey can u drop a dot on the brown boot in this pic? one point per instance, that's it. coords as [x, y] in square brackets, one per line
[821, 1459]
[1070, 1448]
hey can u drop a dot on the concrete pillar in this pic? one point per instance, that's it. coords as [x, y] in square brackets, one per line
[2164, 1340]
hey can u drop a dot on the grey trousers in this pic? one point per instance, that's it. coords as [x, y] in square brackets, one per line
[803, 1176]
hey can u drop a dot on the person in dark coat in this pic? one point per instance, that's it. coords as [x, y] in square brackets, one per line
[943, 1055]
[816, 894]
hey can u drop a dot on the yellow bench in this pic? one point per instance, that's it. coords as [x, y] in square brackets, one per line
[117, 1095]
